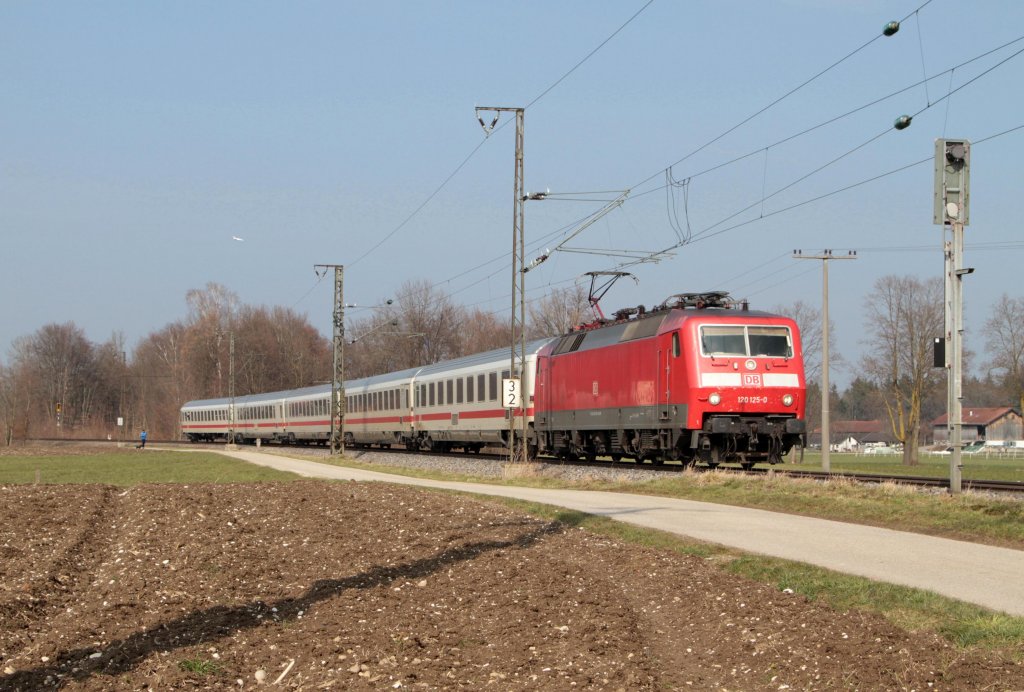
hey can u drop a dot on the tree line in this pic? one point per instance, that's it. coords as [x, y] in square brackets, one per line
[58, 383]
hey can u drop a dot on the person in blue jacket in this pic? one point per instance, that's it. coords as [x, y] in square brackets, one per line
[142, 440]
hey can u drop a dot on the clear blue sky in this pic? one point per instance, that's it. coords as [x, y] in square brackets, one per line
[137, 138]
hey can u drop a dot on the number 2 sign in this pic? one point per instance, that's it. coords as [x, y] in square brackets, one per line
[511, 396]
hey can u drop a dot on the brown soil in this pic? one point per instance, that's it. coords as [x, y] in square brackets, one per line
[371, 586]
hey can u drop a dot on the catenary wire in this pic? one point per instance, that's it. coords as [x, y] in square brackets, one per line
[778, 100]
[581, 62]
[477, 148]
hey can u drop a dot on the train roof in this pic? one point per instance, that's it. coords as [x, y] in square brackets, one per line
[646, 325]
[480, 358]
[249, 398]
[443, 366]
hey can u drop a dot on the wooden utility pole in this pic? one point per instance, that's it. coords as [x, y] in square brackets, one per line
[825, 256]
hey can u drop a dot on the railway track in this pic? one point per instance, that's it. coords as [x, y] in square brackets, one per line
[654, 469]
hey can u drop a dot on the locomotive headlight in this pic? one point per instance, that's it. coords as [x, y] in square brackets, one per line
[787, 399]
[715, 399]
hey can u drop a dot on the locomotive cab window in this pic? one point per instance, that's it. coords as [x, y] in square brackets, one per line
[770, 341]
[745, 341]
[723, 341]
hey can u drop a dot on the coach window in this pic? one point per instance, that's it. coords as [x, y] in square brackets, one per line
[675, 344]
[450, 398]
[492, 386]
[431, 402]
[481, 381]
[458, 391]
[440, 393]
[469, 389]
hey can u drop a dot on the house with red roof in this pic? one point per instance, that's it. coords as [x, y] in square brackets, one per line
[986, 424]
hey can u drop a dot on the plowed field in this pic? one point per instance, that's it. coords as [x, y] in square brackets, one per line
[319, 585]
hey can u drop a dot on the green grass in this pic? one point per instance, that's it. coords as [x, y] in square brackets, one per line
[199, 666]
[986, 466]
[123, 469]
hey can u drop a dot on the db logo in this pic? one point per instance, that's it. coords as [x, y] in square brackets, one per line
[752, 379]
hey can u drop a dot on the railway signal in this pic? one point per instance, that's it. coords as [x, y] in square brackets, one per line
[950, 210]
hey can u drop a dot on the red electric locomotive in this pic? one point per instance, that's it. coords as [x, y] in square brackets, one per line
[698, 378]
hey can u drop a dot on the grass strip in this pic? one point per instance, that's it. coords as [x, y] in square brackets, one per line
[132, 468]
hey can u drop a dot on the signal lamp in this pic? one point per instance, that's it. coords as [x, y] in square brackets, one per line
[715, 399]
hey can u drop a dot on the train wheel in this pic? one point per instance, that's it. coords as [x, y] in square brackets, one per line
[616, 458]
[746, 465]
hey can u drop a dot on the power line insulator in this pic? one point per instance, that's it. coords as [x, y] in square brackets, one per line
[902, 122]
[891, 28]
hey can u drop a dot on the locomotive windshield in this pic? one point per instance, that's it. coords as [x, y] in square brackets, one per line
[743, 340]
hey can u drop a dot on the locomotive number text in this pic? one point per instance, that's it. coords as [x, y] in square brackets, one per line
[751, 400]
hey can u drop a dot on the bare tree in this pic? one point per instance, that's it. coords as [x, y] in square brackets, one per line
[420, 326]
[808, 321]
[211, 315]
[159, 380]
[904, 315]
[58, 361]
[484, 331]
[1004, 338]
[558, 312]
[8, 403]
[277, 349]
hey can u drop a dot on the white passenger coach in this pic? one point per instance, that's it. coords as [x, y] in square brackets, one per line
[454, 404]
